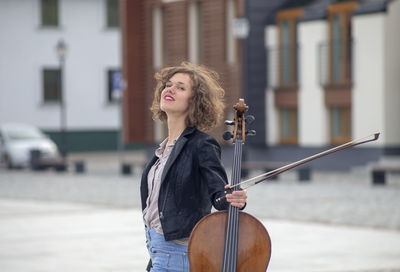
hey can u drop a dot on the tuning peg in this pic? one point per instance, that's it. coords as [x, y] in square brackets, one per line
[250, 119]
[227, 135]
[251, 132]
[229, 122]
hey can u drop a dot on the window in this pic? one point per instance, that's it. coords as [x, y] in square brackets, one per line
[112, 13]
[338, 74]
[114, 79]
[49, 9]
[288, 126]
[158, 38]
[339, 47]
[232, 43]
[287, 51]
[286, 97]
[195, 32]
[51, 85]
[340, 124]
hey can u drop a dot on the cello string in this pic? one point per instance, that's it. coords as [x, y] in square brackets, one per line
[236, 210]
[230, 250]
[226, 246]
[235, 239]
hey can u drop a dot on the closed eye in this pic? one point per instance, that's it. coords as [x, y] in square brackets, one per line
[178, 85]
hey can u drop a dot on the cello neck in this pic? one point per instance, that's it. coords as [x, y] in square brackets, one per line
[229, 262]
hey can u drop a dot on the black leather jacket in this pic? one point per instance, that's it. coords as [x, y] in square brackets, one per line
[193, 178]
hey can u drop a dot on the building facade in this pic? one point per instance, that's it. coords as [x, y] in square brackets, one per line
[33, 81]
[315, 73]
[111, 45]
[159, 33]
[333, 71]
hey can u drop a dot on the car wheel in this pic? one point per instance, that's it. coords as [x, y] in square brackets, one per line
[7, 162]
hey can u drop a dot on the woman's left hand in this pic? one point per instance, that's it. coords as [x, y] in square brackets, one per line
[236, 198]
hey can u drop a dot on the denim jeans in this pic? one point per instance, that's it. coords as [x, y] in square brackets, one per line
[166, 255]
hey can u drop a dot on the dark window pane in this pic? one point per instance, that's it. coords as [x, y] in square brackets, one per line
[337, 122]
[288, 126]
[51, 85]
[114, 85]
[286, 48]
[340, 124]
[49, 12]
[285, 125]
[288, 52]
[112, 13]
[337, 54]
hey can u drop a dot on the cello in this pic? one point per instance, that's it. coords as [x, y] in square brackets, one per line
[231, 240]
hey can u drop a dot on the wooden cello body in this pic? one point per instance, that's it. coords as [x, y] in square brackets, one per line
[232, 240]
[206, 246]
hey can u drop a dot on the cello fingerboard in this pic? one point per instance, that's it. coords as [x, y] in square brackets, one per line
[229, 262]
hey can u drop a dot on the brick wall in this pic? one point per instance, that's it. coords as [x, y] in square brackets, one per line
[137, 116]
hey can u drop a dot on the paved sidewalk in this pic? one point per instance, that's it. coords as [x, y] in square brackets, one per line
[44, 228]
[49, 236]
[333, 198]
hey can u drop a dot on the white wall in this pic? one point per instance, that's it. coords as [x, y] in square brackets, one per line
[312, 113]
[26, 48]
[369, 76]
[392, 74]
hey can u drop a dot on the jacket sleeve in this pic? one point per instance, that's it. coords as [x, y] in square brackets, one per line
[212, 171]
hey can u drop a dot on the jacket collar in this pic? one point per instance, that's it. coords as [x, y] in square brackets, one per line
[188, 131]
[177, 150]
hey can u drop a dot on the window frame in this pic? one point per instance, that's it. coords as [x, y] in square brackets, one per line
[45, 85]
[293, 126]
[345, 124]
[291, 16]
[234, 9]
[109, 20]
[109, 97]
[195, 34]
[344, 11]
[43, 6]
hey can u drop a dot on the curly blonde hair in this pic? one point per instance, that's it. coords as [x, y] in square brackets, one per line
[206, 105]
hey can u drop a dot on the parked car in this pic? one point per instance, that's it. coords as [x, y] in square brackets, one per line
[18, 140]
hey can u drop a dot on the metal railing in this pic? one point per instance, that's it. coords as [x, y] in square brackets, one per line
[282, 66]
[335, 63]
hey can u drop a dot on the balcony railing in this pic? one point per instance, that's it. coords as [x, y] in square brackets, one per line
[335, 64]
[283, 67]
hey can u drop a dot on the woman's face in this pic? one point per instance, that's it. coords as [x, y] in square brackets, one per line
[176, 94]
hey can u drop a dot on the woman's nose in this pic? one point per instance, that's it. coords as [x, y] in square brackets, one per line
[171, 88]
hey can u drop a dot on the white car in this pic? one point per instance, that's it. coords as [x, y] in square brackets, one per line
[17, 141]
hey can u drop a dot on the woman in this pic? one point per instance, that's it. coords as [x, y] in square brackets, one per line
[185, 176]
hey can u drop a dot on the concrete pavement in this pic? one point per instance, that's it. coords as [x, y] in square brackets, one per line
[50, 236]
[92, 222]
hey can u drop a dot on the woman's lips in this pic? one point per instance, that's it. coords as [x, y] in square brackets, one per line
[168, 98]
